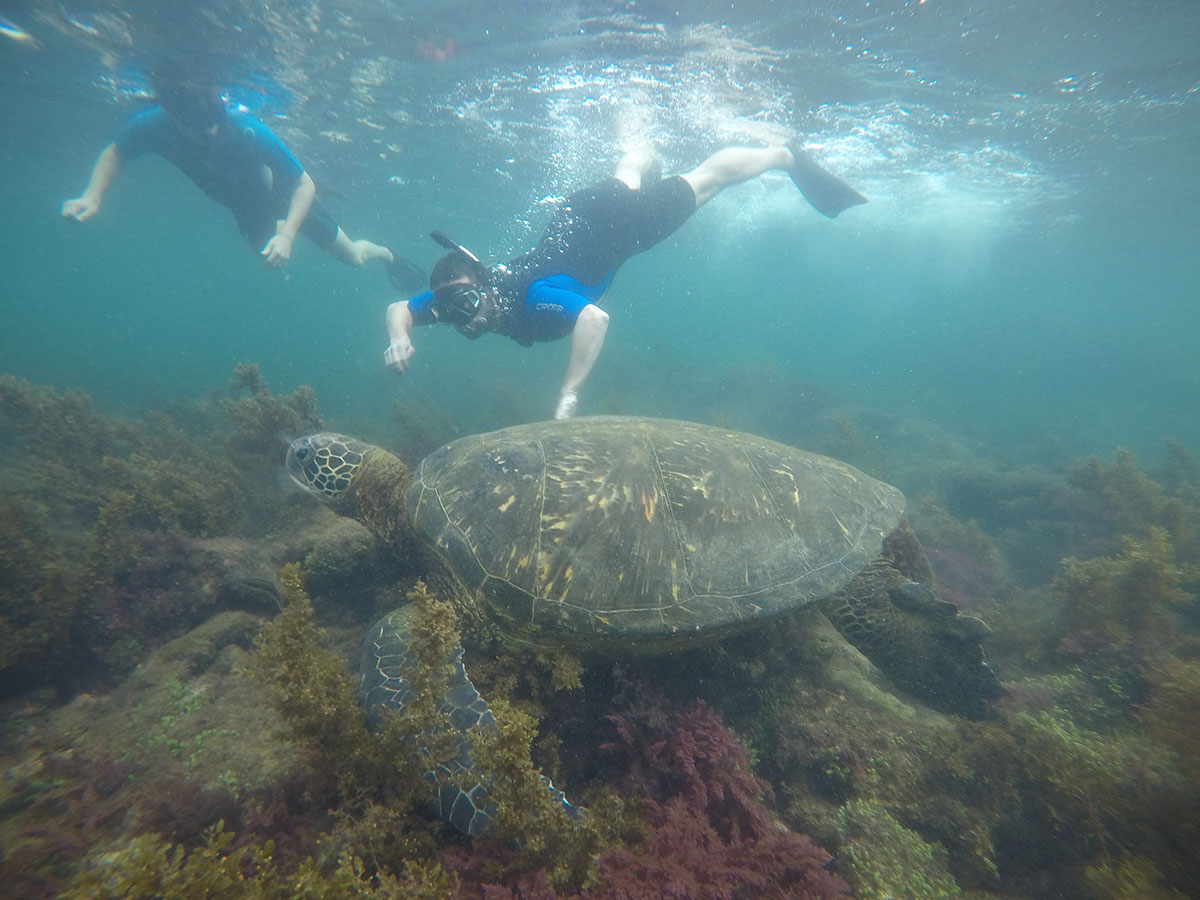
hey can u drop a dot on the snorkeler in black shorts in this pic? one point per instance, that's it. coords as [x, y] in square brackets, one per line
[238, 162]
[552, 291]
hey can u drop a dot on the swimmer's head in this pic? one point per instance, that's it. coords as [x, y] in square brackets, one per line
[454, 267]
[460, 283]
[193, 101]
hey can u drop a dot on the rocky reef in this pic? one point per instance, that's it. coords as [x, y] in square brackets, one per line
[178, 636]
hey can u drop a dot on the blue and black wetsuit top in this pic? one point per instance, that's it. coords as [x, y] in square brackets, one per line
[591, 235]
[244, 167]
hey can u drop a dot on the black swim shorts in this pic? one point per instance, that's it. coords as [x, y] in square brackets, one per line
[601, 226]
[258, 226]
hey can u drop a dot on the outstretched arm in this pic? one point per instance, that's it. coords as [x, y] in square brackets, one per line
[104, 172]
[586, 340]
[400, 349]
[279, 248]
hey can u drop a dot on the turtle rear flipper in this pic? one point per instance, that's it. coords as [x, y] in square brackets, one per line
[921, 642]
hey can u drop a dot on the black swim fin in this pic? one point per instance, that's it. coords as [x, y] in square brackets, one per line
[824, 191]
[405, 276]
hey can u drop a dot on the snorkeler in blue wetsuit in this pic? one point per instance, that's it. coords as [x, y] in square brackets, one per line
[238, 162]
[553, 290]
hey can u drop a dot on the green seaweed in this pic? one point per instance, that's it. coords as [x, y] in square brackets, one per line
[1134, 878]
[148, 868]
[528, 816]
[1095, 791]
[86, 499]
[77, 459]
[1132, 599]
[566, 671]
[883, 860]
[260, 418]
[37, 610]
[308, 687]
[57, 442]
[434, 637]
[1169, 713]
[378, 775]
[1134, 503]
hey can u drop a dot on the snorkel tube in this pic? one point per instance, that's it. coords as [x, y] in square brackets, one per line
[450, 244]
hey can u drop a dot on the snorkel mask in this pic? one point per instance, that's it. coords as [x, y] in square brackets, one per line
[461, 304]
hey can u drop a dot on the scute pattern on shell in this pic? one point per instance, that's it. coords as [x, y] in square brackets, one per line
[615, 527]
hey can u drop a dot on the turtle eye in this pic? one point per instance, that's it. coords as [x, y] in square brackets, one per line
[303, 453]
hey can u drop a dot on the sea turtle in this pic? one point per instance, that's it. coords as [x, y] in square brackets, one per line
[628, 535]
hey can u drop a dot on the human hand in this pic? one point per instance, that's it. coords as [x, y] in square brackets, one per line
[567, 402]
[80, 209]
[398, 353]
[278, 251]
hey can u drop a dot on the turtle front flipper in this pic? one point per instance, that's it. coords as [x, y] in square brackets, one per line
[921, 642]
[461, 793]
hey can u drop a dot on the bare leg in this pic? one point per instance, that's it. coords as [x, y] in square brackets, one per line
[734, 165]
[634, 165]
[358, 253]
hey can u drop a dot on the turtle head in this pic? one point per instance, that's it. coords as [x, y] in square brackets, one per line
[355, 479]
[326, 463]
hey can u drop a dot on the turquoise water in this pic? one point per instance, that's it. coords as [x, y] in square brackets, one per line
[1025, 271]
[1019, 293]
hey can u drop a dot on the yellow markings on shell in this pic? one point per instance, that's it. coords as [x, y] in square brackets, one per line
[598, 500]
[845, 530]
[648, 504]
[503, 507]
[787, 473]
[700, 484]
[554, 523]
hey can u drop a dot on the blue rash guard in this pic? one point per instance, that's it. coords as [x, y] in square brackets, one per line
[541, 294]
[244, 167]
[547, 312]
